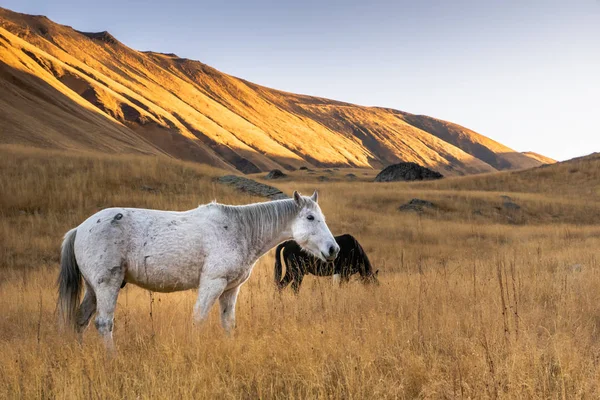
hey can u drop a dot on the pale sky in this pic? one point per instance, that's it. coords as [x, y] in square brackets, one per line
[525, 73]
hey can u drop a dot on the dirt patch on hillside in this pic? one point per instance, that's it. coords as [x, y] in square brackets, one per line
[252, 187]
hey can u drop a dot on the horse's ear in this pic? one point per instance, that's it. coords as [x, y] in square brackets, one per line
[315, 196]
[297, 198]
[376, 272]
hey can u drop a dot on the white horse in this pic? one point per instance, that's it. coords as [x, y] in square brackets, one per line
[213, 248]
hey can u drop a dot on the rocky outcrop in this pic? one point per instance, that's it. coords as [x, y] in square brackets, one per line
[406, 171]
[252, 187]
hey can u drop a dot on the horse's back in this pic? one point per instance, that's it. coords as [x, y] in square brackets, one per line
[349, 248]
[351, 256]
[105, 226]
[346, 240]
[158, 250]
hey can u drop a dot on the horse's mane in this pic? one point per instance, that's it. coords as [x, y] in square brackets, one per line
[364, 257]
[261, 220]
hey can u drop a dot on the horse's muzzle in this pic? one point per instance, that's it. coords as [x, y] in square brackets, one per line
[329, 258]
[331, 253]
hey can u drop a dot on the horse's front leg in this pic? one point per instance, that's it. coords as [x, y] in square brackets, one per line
[208, 292]
[337, 279]
[337, 274]
[227, 303]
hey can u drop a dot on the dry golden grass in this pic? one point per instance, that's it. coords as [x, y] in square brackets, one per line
[469, 306]
[575, 179]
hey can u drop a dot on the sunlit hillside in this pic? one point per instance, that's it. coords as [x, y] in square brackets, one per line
[539, 157]
[65, 89]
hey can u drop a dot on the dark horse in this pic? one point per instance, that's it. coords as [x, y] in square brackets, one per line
[351, 259]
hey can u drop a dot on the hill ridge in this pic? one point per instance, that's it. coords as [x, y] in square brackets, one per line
[161, 103]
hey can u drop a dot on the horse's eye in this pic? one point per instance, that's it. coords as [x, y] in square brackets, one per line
[310, 217]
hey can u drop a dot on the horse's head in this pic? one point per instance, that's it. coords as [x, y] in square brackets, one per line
[371, 278]
[310, 231]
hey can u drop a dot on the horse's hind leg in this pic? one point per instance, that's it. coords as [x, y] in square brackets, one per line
[345, 278]
[106, 300]
[106, 287]
[86, 309]
[298, 277]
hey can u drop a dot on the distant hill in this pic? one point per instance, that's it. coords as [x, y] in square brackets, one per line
[539, 157]
[66, 89]
[576, 178]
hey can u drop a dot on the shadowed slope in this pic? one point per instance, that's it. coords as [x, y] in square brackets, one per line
[495, 154]
[539, 157]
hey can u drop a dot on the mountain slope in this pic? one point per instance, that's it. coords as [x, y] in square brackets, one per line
[539, 157]
[487, 150]
[62, 88]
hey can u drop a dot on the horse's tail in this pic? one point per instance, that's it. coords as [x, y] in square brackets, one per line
[69, 281]
[278, 267]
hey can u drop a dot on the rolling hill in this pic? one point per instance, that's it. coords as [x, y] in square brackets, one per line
[65, 89]
[577, 178]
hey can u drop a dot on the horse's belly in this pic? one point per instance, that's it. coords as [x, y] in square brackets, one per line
[164, 278]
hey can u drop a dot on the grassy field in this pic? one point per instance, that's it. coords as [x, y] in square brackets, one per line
[476, 300]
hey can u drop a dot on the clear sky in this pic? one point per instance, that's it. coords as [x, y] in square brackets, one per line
[525, 73]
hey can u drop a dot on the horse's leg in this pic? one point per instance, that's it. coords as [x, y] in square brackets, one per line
[337, 280]
[106, 302]
[208, 292]
[337, 273]
[227, 303]
[86, 309]
[345, 278]
[106, 284]
[298, 277]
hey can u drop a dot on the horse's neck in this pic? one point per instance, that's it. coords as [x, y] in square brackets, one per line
[266, 225]
[267, 243]
[270, 232]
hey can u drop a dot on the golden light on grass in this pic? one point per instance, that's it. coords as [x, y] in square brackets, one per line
[494, 304]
